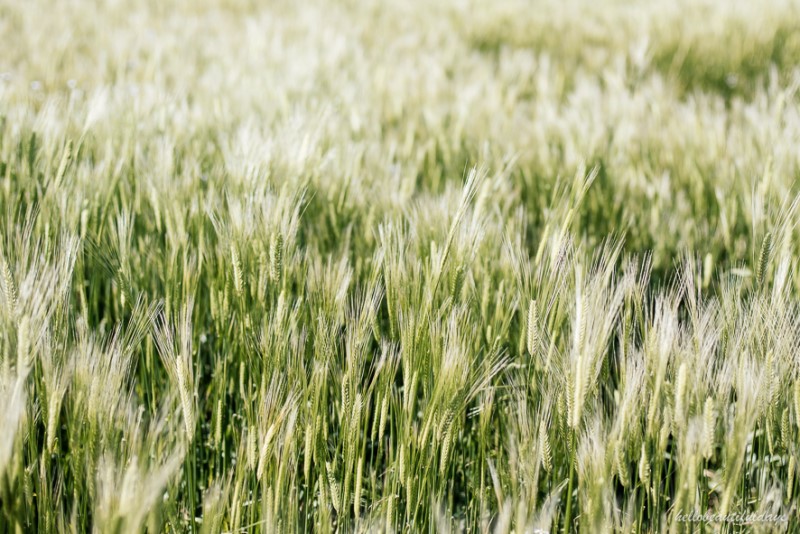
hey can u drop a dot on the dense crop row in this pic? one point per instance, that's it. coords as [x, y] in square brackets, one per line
[349, 266]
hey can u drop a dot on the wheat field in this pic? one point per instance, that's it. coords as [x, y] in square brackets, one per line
[459, 266]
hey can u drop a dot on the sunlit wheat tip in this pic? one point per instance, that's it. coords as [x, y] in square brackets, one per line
[384, 417]
[644, 466]
[763, 258]
[680, 394]
[786, 429]
[546, 456]
[533, 328]
[9, 288]
[276, 256]
[797, 402]
[709, 426]
[238, 282]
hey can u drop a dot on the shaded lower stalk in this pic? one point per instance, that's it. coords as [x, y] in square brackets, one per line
[190, 483]
[568, 513]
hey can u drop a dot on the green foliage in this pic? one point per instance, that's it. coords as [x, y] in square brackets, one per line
[472, 266]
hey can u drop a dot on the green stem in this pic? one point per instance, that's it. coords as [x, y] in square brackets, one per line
[190, 482]
[568, 514]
